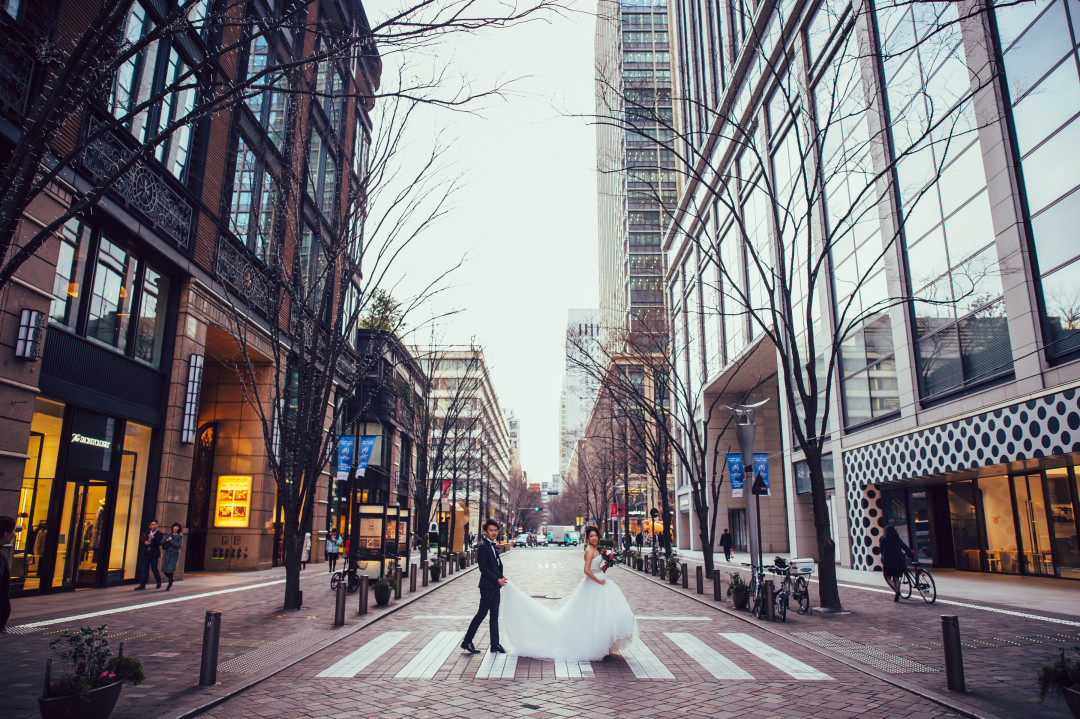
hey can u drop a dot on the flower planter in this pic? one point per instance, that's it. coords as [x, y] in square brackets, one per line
[1072, 700]
[434, 573]
[382, 595]
[673, 576]
[740, 596]
[99, 704]
[461, 562]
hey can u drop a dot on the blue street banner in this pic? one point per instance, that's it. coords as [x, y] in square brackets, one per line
[761, 469]
[363, 455]
[736, 473]
[345, 447]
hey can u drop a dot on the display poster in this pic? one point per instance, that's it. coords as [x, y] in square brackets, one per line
[370, 532]
[233, 501]
[735, 471]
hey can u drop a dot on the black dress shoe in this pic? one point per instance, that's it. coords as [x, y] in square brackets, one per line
[138, 588]
[468, 646]
[497, 649]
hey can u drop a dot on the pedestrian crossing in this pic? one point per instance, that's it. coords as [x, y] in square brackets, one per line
[732, 656]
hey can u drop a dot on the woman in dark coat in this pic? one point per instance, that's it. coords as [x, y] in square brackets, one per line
[894, 555]
[171, 548]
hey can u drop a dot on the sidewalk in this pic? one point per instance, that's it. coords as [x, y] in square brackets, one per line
[164, 631]
[1009, 626]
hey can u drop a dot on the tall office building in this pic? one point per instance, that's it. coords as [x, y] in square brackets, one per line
[579, 387]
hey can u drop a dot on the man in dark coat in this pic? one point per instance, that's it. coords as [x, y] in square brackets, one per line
[725, 542]
[148, 557]
[491, 584]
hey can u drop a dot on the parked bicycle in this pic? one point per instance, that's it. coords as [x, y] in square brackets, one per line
[346, 574]
[922, 581]
[793, 588]
[757, 591]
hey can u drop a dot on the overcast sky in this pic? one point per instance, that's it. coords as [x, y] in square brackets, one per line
[525, 216]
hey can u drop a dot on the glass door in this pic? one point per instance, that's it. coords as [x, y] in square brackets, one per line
[1061, 488]
[82, 544]
[1033, 530]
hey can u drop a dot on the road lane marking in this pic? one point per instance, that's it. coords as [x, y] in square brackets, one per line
[442, 616]
[711, 660]
[572, 670]
[644, 663]
[675, 619]
[787, 664]
[497, 666]
[430, 659]
[352, 665]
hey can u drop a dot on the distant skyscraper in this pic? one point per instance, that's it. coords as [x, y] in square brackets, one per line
[579, 388]
[514, 426]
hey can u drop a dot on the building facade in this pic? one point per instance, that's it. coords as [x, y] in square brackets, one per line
[579, 387]
[941, 214]
[129, 405]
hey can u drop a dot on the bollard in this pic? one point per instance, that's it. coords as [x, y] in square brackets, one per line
[339, 605]
[655, 568]
[361, 606]
[770, 610]
[700, 582]
[397, 582]
[424, 572]
[210, 637]
[954, 658]
[412, 578]
[716, 586]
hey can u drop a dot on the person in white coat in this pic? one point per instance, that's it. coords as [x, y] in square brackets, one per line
[305, 553]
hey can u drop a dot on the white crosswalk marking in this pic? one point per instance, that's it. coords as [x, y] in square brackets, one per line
[711, 660]
[497, 666]
[351, 665]
[431, 657]
[789, 665]
[644, 663]
[674, 619]
[573, 670]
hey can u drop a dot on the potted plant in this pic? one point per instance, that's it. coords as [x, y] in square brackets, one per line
[461, 560]
[435, 567]
[738, 590]
[673, 567]
[1062, 675]
[382, 588]
[92, 687]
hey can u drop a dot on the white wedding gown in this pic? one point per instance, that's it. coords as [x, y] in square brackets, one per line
[595, 621]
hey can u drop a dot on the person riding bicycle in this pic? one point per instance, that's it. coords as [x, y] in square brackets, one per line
[893, 559]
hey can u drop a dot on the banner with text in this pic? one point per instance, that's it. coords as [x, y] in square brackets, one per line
[761, 469]
[345, 447]
[736, 473]
[363, 455]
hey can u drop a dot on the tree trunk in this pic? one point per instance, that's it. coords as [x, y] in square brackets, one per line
[828, 591]
[702, 514]
[292, 545]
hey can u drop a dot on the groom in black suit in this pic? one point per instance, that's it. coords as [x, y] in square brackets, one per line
[491, 582]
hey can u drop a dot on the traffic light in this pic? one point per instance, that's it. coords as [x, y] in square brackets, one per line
[537, 509]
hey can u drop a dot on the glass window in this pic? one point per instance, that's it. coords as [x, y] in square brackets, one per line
[1061, 301]
[175, 107]
[1002, 551]
[253, 223]
[124, 554]
[1063, 520]
[110, 303]
[243, 191]
[150, 331]
[1054, 231]
[802, 475]
[965, 526]
[67, 285]
[46, 429]
[1046, 177]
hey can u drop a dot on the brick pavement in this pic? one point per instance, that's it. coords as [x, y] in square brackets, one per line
[253, 624]
[453, 690]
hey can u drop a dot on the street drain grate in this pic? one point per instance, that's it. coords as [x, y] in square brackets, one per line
[273, 652]
[872, 656]
[531, 706]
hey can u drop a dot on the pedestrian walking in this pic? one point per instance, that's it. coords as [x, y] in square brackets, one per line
[151, 552]
[171, 552]
[7, 537]
[305, 553]
[626, 542]
[725, 543]
[491, 582]
[333, 548]
[894, 555]
[640, 540]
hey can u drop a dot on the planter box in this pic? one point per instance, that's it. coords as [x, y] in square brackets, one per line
[382, 596]
[98, 705]
[740, 596]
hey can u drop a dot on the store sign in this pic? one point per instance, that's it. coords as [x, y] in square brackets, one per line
[736, 473]
[91, 441]
[233, 501]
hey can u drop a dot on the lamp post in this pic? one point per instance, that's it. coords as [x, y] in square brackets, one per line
[745, 431]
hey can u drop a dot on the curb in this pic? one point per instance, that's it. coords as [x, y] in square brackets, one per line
[205, 702]
[928, 694]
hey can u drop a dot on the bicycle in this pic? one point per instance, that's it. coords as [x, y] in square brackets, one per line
[757, 591]
[791, 588]
[348, 575]
[921, 580]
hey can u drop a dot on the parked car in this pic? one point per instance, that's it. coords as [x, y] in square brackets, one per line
[541, 540]
[521, 540]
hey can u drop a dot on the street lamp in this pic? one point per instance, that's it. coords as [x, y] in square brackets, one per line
[745, 431]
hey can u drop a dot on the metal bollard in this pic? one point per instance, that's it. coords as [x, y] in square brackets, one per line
[424, 572]
[685, 576]
[397, 582]
[361, 606]
[954, 658]
[339, 605]
[412, 578]
[655, 568]
[211, 635]
[700, 582]
[770, 609]
[716, 586]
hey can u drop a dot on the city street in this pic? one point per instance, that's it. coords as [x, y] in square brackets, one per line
[694, 658]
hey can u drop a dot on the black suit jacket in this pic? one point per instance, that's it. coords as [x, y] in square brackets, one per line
[491, 569]
[153, 550]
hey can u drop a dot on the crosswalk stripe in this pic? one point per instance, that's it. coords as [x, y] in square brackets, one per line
[674, 619]
[497, 666]
[431, 657]
[573, 670]
[644, 663]
[351, 665]
[711, 660]
[787, 664]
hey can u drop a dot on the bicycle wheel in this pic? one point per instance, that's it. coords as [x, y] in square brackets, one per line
[335, 579]
[905, 584]
[754, 586]
[780, 606]
[802, 595]
[354, 582]
[925, 584]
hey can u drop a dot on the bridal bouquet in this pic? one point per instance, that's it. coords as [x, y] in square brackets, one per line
[611, 557]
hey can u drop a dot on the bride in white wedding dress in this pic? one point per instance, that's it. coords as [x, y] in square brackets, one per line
[595, 621]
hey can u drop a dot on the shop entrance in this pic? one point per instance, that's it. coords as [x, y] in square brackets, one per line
[82, 544]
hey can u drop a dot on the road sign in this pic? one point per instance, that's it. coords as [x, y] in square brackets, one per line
[654, 512]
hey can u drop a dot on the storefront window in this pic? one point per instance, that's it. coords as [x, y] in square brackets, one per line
[38, 476]
[965, 526]
[131, 488]
[110, 305]
[1034, 532]
[1063, 519]
[1002, 552]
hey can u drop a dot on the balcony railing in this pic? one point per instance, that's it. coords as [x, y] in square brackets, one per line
[243, 274]
[16, 76]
